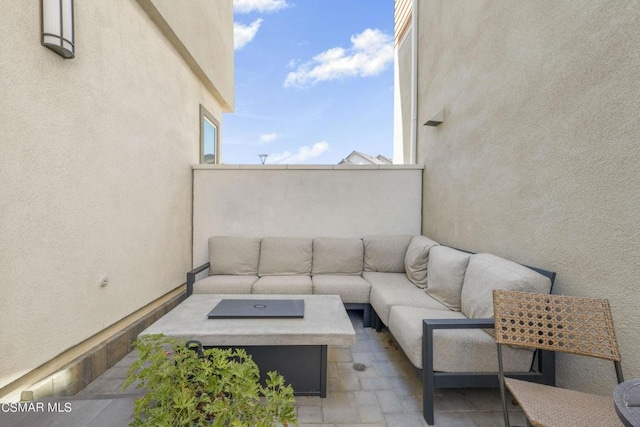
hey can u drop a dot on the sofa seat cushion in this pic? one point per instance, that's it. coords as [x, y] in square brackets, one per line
[417, 258]
[352, 289]
[385, 253]
[447, 268]
[454, 350]
[234, 255]
[337, 256]
[283, 285]
[487, 272]
[224, 284]
[386, 280]
[285, 256]
[383, 298]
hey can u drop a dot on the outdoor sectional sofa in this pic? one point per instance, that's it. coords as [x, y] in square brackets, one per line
[435, 300]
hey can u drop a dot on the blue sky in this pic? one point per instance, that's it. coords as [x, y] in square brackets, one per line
[314, 81]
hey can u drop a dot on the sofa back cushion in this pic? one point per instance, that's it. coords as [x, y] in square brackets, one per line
[285, 256]
[234, 255]
[337, 256]
[417, 258]
[487, 272]
[385, 253]
[445, 275]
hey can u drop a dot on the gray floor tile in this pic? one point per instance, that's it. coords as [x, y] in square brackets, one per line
[389, 402]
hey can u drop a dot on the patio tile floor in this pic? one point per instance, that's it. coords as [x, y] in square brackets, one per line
[387, 393]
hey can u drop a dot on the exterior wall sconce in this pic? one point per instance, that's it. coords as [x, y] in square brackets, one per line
[57, 26]
[436, 120]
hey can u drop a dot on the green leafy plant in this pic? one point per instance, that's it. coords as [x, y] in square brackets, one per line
[212, 387]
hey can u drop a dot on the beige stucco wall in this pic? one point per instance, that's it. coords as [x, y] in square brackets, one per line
[539, 156]
[305, 201]
[402, 100]
[95, 176]
[200, 32]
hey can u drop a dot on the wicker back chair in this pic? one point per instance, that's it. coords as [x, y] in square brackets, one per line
[557, 323]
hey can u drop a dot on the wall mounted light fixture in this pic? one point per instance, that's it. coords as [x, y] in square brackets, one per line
[57, 26]
[437, 119]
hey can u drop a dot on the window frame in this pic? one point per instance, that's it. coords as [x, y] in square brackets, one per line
[205, 115]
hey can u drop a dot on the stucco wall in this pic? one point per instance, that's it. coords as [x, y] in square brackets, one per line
[402, 100]
[95, 176]
[307, 201]
[538, 159]
[207, 48]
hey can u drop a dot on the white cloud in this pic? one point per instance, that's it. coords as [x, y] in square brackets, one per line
[264, 6]
[243, 34]
[269, 137]
[370, 53]
[303, 154]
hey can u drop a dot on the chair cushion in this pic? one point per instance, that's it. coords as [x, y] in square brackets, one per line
[454, 350]
[487, 272]
[383, 298]
[447, 268]
[416, 260]
[285, 256]
[222, 284]
[283, 285]
[234, 255]
[352, 289]
[337, 256]
[385, 253]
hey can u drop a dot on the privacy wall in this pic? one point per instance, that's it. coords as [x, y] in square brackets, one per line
[305, 201]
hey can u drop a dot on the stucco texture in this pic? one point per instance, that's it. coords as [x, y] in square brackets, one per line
[95, 176]
[538, 159]
[304, 201]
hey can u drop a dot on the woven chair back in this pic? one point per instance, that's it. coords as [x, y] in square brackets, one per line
[555, 322]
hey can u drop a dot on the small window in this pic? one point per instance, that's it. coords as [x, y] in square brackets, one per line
[209, 138]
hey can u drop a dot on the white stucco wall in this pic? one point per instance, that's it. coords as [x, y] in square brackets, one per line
[304, 201]
[402, 100]
[95, 176]
[538, 159]
[200, 32]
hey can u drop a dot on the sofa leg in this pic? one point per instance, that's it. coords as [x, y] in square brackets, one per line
[427, 374]
[366, 316]
[376, 323]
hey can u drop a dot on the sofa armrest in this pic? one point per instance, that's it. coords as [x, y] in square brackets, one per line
[457, 324]
[191, 276]
[428, 326]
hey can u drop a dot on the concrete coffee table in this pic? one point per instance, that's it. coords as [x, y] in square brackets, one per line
[295, 347]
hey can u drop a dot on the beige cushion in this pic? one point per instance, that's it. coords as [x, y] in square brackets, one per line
[383, 298]
[416, 260]
[285, 256]
[487, 272]
[352, 289]
[221, 284]
[386, 280]
[385, 253]
[234, 255]
[283, 285]
[447, 268]
[337, 256]
[454, 350]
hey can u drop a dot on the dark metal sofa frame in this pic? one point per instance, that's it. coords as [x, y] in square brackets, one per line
[365, 307]
[543, 366]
